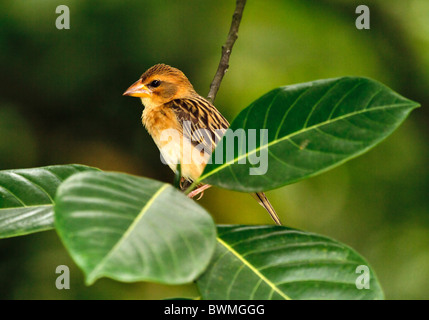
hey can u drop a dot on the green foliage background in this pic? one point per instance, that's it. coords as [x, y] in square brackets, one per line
[61, 102]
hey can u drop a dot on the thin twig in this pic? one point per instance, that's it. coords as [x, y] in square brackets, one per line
[226, 50]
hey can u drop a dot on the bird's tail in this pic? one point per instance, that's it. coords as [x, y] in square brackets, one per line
[263, 201]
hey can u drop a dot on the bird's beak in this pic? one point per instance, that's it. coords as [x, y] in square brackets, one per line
[138, 89]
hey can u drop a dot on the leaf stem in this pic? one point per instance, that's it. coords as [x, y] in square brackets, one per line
[192, 187]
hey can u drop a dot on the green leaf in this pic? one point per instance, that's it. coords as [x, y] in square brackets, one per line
[133, 229]
[177, 176]
[274, 262]
[312, 127]
[26, 198]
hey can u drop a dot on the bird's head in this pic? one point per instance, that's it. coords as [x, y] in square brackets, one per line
[161, 84]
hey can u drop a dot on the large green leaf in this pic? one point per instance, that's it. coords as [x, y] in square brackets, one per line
[312, 127]
[26, 198]
[132, 229]
[273, 262]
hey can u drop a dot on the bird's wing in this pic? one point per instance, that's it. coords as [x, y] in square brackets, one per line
[201, 122]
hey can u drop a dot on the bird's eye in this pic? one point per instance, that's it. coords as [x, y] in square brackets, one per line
[155, 83]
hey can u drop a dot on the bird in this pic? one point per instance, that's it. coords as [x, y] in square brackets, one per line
[180, 121]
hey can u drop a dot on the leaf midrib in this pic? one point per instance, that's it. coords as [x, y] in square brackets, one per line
[252, 268]
[289, 136]
[27, 207]
[92, 276]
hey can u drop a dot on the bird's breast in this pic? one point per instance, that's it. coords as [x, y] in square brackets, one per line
[158, 119]
[167, 132]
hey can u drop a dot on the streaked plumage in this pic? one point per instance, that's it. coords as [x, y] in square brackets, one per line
[171, 102]
[202, 115]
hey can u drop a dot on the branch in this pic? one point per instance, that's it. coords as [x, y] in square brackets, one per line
[226, 50]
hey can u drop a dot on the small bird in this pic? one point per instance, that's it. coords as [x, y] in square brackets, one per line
[172, 106]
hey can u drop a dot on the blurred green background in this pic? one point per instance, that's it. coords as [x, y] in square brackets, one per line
[61, 102]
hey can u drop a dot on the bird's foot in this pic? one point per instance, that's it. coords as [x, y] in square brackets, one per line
[199, 191]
